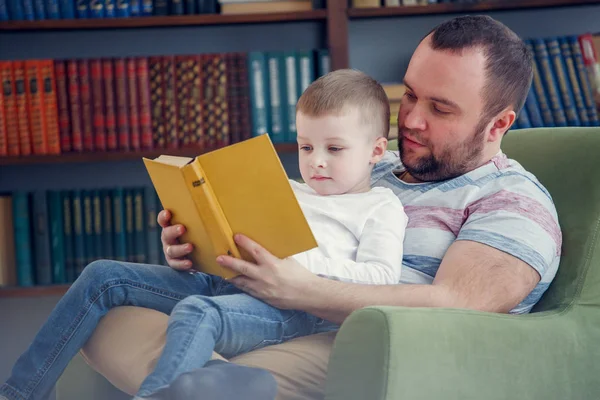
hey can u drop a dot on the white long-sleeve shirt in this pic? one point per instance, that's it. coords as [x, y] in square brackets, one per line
[360, 236]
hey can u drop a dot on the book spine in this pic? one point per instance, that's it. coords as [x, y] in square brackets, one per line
[50, 106]
[85, 89]
[563, 84]
[98, 105]
[28, 13]
[67, 203]
[259, 93]
[78, 233]
[22, 109]
[139, 227]
[75, 106]
[221, 121]
[110, 9]
[40, 10]
[35, 103]
[15, 8]
[41, 239]
[533, 110]
[550, 84]
[4, 16]
[291, 81]
[67, 9]
[57, 237]
[133, 104]
[110, 113]
[3, 125]
[129, 234]
[82, 9]
[277, 99]
[52, 9]
[523, 119]
[23, 239]
[119, 229]
[209, 107]
[96, 8]
[182, 79]
[323, 62]
[107, 224]
[97, 218]
[122, 106]
[306, 69]
[152, 229]
[157, 102]
[170, 104]
[10, 108]
[196, 110]
[244, 93]
[123, 8]
[62, 97]
[145, 113]
[584, 83]
[135, 8]
[88, 226]
[208, 207]
[233, 98]
[571, 72]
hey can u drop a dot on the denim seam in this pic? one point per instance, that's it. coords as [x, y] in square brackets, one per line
[77, 321]
[13, 392]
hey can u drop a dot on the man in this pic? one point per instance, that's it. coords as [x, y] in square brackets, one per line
[482, 233]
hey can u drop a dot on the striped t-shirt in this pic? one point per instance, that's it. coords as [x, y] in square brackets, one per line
[499, 204]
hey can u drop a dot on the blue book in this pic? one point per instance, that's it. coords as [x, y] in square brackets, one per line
[23, 239]
[176, 7]
[119, 230]
[571, 72]
[291, 77]
[82, 9]
[52, 9]
[97, 220]
[533, 109]
[88, 226]
[562, 80]
[190, 7]
[139, 226]
[584, 83]
[135, 8]
[161, 7]
[28, 13]
[540, 92]
[57, 244]
[4, 16]
[40, 9]
[523, 119]
[549, 80]
[67, 9]
[123, 9]
[96, 8]
[79, 246]
[147, 7]
[277, 99]
[41, 239]
[107, 225]
[153, 231]
[68, 238]
[258, 80]
[15, 10]
[129, 234]
[323, 62]
[110, 9]
[306, 70]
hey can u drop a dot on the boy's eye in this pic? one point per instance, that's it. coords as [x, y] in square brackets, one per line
[333, 148]
[305, 148]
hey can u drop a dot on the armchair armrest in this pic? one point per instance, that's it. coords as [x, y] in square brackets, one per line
[423, 353]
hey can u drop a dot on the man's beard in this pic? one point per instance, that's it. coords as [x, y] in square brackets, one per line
[451, 162]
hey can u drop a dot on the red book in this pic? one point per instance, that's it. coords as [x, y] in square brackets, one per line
[98, 104]
[122, 108]
[170, 102]
[62, 98]
[22, 108]
[75, 105]
[34, 103]
[157, 96]
[109, 104]
[145, 112]
[50, 105]
[133, 103]
[10, 108]
[3, 127]
[85, 90]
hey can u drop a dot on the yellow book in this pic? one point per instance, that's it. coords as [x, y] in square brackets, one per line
[241, 188]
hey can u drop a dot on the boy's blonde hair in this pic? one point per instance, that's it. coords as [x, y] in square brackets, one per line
[335, 92]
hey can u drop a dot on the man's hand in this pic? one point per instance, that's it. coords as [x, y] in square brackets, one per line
[175, 252]
[281, 283]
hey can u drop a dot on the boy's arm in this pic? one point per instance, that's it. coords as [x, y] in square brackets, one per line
[379, 253]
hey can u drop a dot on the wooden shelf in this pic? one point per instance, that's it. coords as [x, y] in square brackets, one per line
[490, 5]
[119, 156]
[34, 291]
[171, 20]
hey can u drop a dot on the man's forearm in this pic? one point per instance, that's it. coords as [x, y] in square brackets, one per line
[334, 300]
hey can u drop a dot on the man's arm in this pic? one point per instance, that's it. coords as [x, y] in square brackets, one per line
[471, 275]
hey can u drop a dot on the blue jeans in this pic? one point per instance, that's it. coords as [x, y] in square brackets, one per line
[214, 315]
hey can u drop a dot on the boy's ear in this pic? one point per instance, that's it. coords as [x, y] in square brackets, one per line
[379, 149]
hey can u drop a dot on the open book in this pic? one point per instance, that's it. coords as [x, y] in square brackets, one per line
[241, 188]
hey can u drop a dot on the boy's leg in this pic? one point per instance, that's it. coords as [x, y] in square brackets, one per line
[102, 285]
[229, 324]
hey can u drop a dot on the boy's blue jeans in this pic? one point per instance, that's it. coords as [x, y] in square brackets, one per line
[206, 313]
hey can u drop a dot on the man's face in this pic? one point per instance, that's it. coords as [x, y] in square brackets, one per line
[441, 133]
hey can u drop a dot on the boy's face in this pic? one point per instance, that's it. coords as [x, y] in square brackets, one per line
[336, 153]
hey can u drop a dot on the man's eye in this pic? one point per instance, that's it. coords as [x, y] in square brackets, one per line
[410, 96]
[437, 110]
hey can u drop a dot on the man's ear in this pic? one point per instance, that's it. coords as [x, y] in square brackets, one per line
[379, 149]
[502, 123]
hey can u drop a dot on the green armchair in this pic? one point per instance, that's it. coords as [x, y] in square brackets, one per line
[552, 353]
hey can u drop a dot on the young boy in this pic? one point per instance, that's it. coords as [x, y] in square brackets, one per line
[342, 122]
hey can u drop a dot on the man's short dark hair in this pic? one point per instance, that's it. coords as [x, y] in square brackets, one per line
[509, 64]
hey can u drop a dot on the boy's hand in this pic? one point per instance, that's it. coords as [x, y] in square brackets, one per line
[175, 252]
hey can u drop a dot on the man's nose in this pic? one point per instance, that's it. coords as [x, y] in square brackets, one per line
[413, 118]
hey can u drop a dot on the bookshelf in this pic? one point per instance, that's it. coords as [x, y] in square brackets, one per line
[447, 8]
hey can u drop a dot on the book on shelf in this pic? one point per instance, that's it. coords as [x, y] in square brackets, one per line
[241, 188]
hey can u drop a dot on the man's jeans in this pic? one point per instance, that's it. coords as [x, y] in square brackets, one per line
[231, 324]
